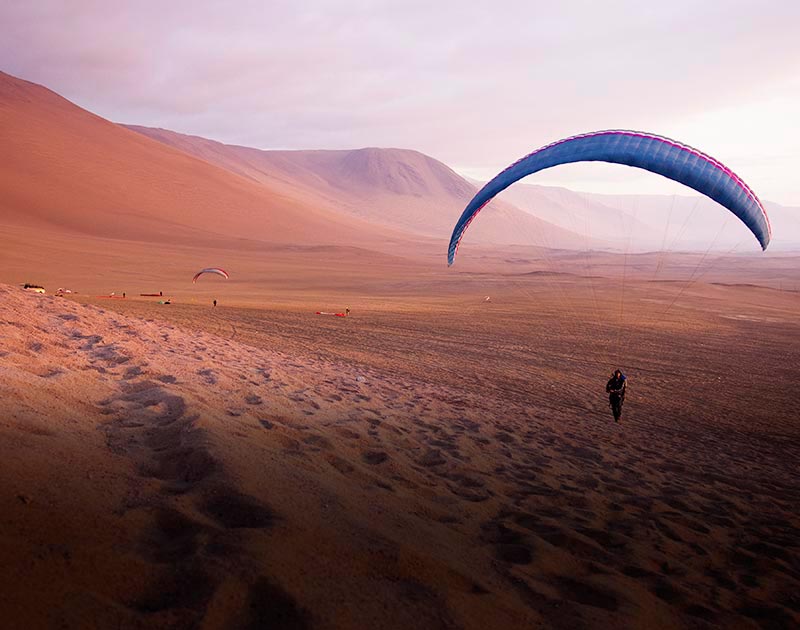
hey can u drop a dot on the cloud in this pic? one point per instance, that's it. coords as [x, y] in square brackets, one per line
[474, 85]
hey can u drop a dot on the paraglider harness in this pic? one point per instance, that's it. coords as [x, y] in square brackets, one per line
[616, 393]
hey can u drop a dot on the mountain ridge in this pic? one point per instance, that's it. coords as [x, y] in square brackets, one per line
[398, 188]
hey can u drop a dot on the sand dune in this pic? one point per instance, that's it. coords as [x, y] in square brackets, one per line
[63, 167]
[250, 468]
[89, 205]
[392, 187]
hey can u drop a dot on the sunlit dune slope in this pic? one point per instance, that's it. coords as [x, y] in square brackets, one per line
[393, 187]
[64, 168]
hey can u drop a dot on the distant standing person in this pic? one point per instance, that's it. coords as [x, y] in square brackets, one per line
[616, 392]
[347, 311]
[215, 303]
[123, 294]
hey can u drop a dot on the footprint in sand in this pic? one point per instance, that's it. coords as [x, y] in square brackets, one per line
[509, 545]
[473, 495]
[35, 346]
[432, 457]
[348, 433]
[467, 425]
[374, 458]
[89, 340]
[583, 592]
[110, 355]
[289, 444]
[468, 488]
[505, 438]
[343, 466]
[132, 372]
[208, 375]
[319, 442]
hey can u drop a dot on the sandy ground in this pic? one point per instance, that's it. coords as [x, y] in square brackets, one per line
[442, 463]
[434, 460]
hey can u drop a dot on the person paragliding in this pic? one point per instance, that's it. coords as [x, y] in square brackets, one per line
[212, 270]
[615, 388]
[648, 151]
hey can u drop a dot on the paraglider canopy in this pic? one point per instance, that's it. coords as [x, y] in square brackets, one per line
[676, 161]
[216, 270]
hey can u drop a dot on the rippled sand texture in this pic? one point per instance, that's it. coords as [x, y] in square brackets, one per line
[442, 468]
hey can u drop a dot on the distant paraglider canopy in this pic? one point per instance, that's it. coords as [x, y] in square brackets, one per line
[647, 151]
[216, 270]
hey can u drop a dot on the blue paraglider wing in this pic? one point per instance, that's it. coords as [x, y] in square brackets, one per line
[647, 151]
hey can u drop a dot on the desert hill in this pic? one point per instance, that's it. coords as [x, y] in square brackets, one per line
[64, 168]
[399, 188]
[89, 205]
[100, 199]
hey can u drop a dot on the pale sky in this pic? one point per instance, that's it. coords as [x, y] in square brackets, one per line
[476, 85]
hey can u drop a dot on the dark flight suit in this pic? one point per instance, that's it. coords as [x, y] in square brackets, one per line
[616, 390]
